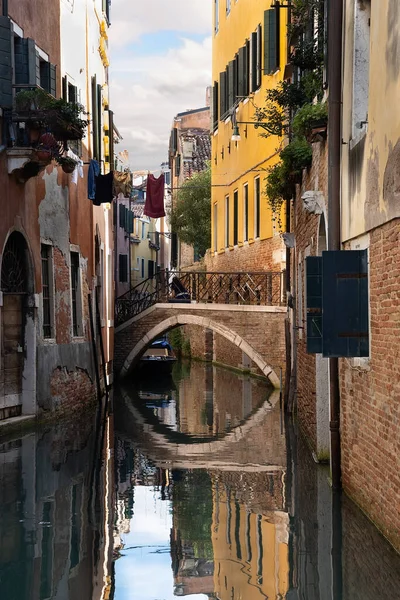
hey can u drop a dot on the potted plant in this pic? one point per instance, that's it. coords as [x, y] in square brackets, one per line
[311, 119]
[67, 164]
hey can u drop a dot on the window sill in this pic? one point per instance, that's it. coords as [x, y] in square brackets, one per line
[358, 138]
[77, 339]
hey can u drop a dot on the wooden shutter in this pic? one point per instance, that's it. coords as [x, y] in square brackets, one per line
[271, 41]
[235, 217]
[64, 88]
[130, 221]
[253, 61]
[53, 79]
[122, 216]
[345, 320]
[174, 139]
[123, 268]
[259, 55]
[150, 269]
[314, 303]
[215, 105]
[222, 94]
[242, 72]
[96, 148]
[231, 84]
[5, 63]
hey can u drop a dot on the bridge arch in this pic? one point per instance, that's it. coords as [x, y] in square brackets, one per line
[186, 319]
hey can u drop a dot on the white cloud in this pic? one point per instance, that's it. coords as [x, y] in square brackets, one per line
[148, 91]
[132, 18]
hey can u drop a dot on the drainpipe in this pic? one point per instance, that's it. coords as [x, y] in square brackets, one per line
[335, 22]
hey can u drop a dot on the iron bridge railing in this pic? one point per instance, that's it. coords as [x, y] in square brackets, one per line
[263, 288]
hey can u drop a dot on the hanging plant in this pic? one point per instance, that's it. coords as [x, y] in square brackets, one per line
[67, 163]
[309, 117]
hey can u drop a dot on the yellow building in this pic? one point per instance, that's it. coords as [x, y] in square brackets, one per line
[251, 552]
[249, 57]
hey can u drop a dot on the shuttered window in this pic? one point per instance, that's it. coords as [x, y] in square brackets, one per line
[253, 62]
[245, 212]
[271, 41]
[222, 95]
[123, 268]
[257, 207]
[177, 165]
[5, 63]
[122, 216]
[243, 72]
[215, 105]
[235, 216]
[337, 304]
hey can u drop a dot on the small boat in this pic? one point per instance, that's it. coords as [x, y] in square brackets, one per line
[159, 354]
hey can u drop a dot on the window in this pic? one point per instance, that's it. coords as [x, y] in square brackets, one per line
[216, 15]
[143, 230]
[226, 221]
[257, 207]
[215, 105]
[76, 295]
[150, 268]
[245, 212]
[361, 60]
[215, 228]
[123, 268]
[47, 291]
[235, 217]
[177, 165]
[255, 59]
[142, 268]
[228, 6]
[271, 41]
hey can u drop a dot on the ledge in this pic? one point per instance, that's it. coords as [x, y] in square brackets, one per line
[18, 157]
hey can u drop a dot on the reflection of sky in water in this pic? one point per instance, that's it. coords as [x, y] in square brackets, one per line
[144, 570]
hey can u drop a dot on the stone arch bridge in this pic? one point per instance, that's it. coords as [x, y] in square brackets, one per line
[257, 330]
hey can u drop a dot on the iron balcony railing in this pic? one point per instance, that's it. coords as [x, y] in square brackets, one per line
[263, 288]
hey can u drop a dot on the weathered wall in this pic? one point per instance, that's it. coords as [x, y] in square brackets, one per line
[370, 392]
[259, 330]
[310, 240]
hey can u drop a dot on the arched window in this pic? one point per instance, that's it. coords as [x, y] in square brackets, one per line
[14, 266]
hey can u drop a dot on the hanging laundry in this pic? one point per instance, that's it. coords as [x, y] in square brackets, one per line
[94, 171]
[104, 189]
[123, 183]
[154, 206]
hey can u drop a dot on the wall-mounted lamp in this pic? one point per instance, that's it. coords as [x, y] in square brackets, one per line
[236, 135]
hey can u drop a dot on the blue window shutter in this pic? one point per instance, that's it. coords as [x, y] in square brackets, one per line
[5, 63]
[314, 303]
[345, 320]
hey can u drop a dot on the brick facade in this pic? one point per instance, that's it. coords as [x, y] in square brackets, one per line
[260, 255]
[370, 414]
[307, 230]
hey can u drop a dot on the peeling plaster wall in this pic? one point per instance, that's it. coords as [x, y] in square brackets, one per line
[371, 153]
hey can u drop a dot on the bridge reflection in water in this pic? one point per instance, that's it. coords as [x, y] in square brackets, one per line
[201, 492]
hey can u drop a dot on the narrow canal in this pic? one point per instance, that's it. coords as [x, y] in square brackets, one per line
[189, 485]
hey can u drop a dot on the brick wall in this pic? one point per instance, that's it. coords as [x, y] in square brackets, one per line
[71, 390]
[306, 227]
[261, 255]
[370, 417]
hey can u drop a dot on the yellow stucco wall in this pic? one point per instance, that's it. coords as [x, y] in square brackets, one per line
[249, 158]
[251, 554]
[371, 159]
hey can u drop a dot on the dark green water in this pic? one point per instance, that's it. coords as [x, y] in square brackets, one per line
[191, 486]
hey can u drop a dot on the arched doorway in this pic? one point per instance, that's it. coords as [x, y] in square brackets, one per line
[16, 287]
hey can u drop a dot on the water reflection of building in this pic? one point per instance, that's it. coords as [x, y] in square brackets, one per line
[250, 536]
[56, 513]
[212, 401]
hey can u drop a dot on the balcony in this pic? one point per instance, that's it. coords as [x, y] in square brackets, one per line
[38, 130]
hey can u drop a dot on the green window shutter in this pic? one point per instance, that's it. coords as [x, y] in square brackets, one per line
[222, 94]
[271, 41]
[231, 84]
[32, 59]
[37, 68]
[267, 49]
[242, 72]
[64, 88]
[314, 303]
[122, 220]
[44, 75]
[345, 314]
[5, 63]
[53, 79]
[130, 221]
[126, 221]
[215, 105]
[259, 55]
[253, 60]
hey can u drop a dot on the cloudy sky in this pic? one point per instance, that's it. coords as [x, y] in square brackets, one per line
[160, 65]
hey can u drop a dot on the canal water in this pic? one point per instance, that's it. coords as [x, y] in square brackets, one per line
[188, 485]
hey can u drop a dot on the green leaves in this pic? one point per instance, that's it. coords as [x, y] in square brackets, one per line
[190, 216]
